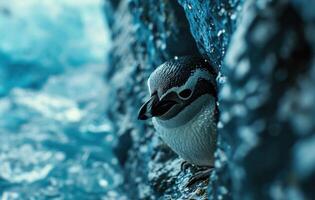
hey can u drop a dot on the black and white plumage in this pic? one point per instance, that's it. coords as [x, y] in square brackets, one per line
[183, 107]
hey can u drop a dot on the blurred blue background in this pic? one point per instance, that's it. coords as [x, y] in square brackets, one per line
[55, 138]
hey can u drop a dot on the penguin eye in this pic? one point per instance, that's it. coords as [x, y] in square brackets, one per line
[185, 93]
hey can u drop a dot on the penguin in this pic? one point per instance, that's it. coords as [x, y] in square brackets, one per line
[183, 108]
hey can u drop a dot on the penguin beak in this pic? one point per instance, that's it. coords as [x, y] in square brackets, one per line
[146, 110]
[154, 108]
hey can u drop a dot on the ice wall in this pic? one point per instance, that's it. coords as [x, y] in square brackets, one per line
[146, 34]
[264, 51]
[211, 24]
[267, 114]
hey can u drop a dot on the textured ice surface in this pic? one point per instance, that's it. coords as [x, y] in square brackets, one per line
[56, 141]
[211, 24]
[268, 117]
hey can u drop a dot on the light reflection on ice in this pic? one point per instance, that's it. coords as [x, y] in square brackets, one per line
[56, 108]
[56, 141]
[26, 164]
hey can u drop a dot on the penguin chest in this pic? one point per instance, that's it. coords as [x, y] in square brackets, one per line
[193, 145]
[194, 141]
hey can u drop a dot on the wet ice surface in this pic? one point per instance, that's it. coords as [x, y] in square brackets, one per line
[56, 141]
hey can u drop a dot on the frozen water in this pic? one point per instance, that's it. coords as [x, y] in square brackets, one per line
[56, 141]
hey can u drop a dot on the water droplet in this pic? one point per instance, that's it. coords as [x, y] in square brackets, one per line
[220, 125]
[221, 32]
[222, 79]
[233, 16]
[103, 183]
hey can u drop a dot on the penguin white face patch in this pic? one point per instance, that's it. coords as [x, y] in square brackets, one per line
[189, 84]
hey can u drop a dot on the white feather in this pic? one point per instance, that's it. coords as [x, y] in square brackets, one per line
[195, 140]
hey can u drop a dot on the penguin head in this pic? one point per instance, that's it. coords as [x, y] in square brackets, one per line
[176, 85]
